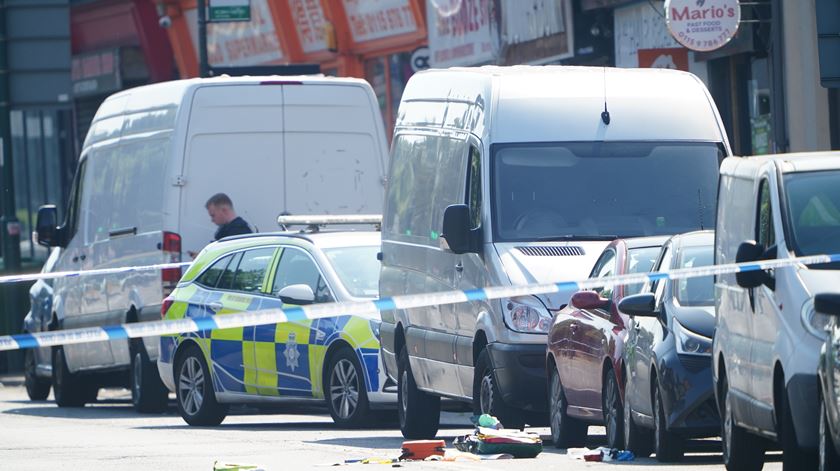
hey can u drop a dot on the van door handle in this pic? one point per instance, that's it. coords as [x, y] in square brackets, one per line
[459, 267]
[82, 257]
[215, 306]
[75, 259]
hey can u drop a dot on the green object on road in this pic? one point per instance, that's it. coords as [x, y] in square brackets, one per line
[219, 466]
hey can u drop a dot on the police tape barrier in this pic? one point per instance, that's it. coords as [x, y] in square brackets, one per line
[99, 271]
[317, 311]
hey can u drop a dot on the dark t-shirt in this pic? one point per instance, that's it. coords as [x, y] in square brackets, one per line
[235, 227]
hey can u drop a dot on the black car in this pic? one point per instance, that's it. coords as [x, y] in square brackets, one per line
[829, 377]
[668, 391]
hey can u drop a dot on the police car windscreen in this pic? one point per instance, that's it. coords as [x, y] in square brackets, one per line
[357, 269]
[602, 189]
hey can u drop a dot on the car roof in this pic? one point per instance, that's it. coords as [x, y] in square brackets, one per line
[694, 239]
[786, 163]
[325, 239]
[639, 242]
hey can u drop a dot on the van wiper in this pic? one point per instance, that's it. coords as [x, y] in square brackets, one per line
[568, 237]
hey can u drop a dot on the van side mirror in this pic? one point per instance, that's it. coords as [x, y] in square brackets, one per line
[457, 235]
[588, 300]
[298, 295]
[750, 251]
[47, 226]
[827, 303]
[640, 305]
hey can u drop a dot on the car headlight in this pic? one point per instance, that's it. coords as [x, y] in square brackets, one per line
[526, 315]
[814, 322]
[374, 327]
[691, 343]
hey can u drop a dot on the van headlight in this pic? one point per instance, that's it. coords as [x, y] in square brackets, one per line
[814, 322]
[526, 315]
[691, 343]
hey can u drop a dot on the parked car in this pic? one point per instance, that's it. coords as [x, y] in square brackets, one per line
[585, 344]
[152, 158]
[767, 335]
[335, 359]
[37, 368]
[516, 175]
[668, 391]
[829, 377]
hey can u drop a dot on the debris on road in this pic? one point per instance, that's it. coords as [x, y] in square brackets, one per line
[601, 453]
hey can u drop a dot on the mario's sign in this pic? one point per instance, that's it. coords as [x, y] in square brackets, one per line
[703, 25]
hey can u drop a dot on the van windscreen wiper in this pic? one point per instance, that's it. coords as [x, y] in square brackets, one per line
[574, 237]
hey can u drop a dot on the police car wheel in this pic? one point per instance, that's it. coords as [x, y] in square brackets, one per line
[346, 393]
[36, 388]
[419, 412]
[194, 390]
[148, 394]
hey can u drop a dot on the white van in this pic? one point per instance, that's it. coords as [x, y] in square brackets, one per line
[517, 175]
[152, 158]
[768, 336]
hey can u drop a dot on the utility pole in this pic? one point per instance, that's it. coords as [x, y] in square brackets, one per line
[203, 66]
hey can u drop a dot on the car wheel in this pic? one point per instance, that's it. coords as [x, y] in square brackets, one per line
[637, 439]
[741, 450]
[194, 390]
[487, 398]
[613, 412]
[566, 432]
[793, 457]
[829, 459]
[36, 388]
[667, 446]
[419, 412]
[69, 389]
[148, 394]
[346, 393]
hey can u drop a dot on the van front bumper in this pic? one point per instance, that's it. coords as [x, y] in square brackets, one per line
[520, 373]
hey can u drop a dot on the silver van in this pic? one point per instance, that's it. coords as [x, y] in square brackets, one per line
[767, 336]
[518, 175]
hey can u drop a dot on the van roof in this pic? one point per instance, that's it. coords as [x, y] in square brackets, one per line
[564, 103]
[168, 94]
[749, 167]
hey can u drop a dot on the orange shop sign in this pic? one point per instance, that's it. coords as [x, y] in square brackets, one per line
[309, 19]
[703, 25]
[377, 19]
[462, 32]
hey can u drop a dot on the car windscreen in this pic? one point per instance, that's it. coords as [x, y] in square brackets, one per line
[813, 211]
[697, 291]
[357, 269]
[640, 260]
[602, 190]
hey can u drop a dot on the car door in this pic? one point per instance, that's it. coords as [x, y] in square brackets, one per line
[290, 355]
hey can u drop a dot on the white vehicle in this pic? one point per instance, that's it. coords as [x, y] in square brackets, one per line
[767, 335]
[152, 158]
[517, 175]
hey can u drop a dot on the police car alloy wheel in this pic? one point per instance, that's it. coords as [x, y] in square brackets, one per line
[194, 390]
[346, 395]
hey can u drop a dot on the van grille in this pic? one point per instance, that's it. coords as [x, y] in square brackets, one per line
[551, 251]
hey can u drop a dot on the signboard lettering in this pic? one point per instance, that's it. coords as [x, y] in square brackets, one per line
[703, 25]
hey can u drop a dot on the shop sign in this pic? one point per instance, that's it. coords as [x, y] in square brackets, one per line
[308, 16]
[703, 25]
[230, 10]
[462, 33]
[377, 19]
[524, 21]
[420, 59]
[666, 58]
[96, 73]
[241, 43]
[638, 27]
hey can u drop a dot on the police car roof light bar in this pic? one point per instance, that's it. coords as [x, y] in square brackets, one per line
[313, 222]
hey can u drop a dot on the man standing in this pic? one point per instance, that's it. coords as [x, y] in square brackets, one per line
[220, 209]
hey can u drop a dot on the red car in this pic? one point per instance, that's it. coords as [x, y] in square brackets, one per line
[585, 344]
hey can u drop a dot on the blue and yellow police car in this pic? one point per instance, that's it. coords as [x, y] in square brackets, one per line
[335, 359]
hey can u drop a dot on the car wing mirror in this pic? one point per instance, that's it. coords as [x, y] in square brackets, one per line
[828, 304]
[46, 227]
[588, 300]
[750, 251]
[297, 294]
[640, 305]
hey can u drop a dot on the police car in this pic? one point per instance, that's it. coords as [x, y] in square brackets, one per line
[335, 359]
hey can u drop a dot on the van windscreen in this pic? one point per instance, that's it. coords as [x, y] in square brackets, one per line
[813, 212]
[602, 190]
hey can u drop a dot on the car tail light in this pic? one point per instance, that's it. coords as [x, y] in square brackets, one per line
[164, 307]
[171, 248]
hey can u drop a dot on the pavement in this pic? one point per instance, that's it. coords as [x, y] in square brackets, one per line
[110, 435]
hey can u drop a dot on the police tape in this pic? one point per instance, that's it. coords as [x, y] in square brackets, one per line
[99, 271]
[317, 311]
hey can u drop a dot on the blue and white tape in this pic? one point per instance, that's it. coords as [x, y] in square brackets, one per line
[316, 311]
[100, 271]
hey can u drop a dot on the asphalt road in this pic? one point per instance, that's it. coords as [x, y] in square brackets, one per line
[110, 435]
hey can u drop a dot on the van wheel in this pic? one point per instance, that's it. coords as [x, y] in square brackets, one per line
[793, 457]
[613, 412]
[69, 389]
[487, 399]
[36, 388]
[829, 458]
[346, 393]
[419, 412]
[148, 394]
[667, 446]
[741, 450]
[566, 432]
[637, 439]
[194, 390]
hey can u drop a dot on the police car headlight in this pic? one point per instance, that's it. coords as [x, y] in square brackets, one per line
[374, 327]
[814, 322]
[526, 315]
[691, 343]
